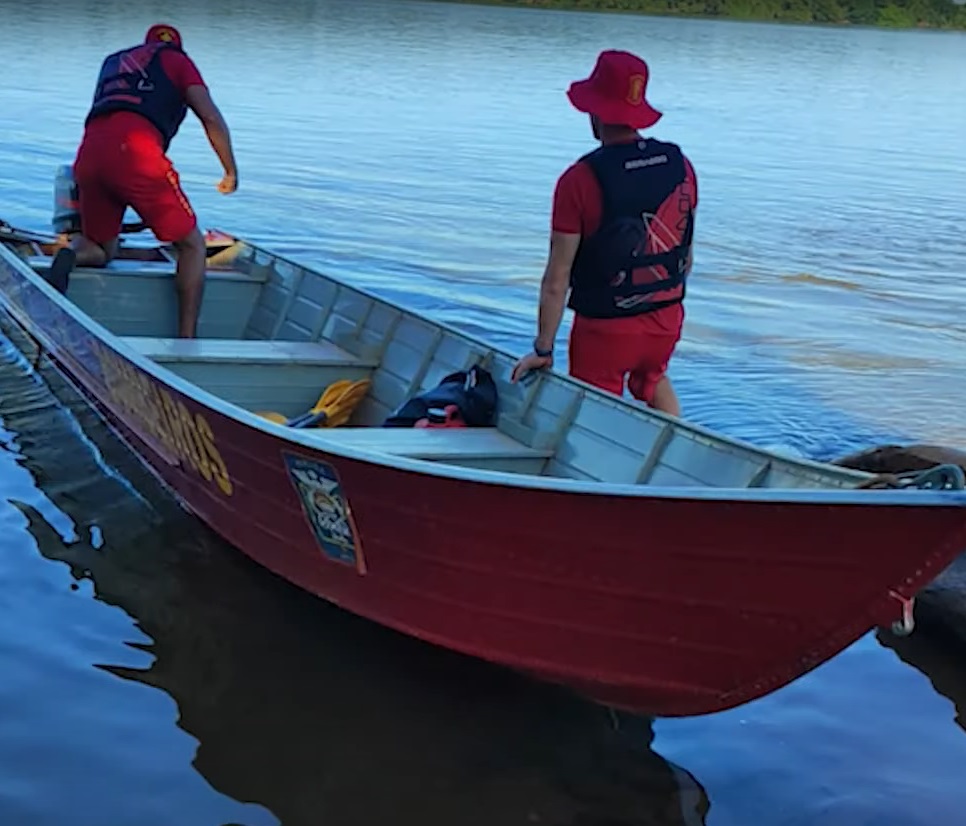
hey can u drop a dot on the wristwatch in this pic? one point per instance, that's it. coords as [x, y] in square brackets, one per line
[544, 354]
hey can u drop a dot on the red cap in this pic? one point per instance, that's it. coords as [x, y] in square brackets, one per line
[614, 92]
[163, 33]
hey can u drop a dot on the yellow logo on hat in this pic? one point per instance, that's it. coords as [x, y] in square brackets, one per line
[166, 35]
[635, 89]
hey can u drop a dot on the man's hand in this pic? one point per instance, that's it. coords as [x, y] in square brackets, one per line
[529, 362]
[199, 100]
[228, 184]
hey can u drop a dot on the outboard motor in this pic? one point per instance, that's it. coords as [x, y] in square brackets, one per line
[66, 207]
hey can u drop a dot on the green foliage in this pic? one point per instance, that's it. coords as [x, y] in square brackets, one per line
[942, 14]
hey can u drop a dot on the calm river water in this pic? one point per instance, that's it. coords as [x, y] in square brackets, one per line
[151, 676]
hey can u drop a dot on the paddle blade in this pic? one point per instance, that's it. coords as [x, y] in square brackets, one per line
[338, 405]
[334, 407]
[331, 394]
[278, 418]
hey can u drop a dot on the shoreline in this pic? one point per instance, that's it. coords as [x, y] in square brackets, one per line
[896, 23]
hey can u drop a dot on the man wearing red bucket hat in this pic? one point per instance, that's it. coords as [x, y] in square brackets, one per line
[620, 243]
[142, 96]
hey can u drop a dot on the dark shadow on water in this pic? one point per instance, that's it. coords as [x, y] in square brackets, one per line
[314, 713]
[931, 656]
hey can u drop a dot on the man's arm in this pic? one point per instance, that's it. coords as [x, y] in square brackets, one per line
[565, 233]
[199, 101]
[554, 287]
[553, 299]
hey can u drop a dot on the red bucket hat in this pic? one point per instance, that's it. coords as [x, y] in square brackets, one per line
[614, 92]
[163, 33]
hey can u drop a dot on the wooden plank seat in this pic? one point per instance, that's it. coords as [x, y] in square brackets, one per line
[133, 267]
[481, 447]
[245, 351]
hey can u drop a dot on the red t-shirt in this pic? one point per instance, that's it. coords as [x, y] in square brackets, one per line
[182, 72]
[577, 208]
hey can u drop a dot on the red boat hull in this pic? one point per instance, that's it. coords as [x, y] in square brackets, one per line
[664, 605]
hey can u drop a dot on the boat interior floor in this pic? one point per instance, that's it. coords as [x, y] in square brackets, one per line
[247, 373]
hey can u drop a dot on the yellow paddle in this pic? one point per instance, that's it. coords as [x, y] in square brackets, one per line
[278, 418]
[333, 408]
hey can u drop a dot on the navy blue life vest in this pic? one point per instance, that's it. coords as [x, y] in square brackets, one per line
[472, 391]
[614, 275]
[133, 80]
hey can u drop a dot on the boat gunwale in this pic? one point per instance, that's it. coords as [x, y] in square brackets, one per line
[316, 442]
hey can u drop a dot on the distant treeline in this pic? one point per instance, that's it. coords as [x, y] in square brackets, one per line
[943, 14]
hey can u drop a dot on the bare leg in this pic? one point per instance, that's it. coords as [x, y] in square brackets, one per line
[89, 254]
[665, 399]
[190, 281]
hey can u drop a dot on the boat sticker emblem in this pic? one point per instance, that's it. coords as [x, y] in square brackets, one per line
[325, 507]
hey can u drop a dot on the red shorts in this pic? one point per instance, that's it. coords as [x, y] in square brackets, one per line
[121, 163]
[605, 351]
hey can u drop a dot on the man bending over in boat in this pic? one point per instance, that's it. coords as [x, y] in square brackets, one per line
[620, 243]
[142, 96]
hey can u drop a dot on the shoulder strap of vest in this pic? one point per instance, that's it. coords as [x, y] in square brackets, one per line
[597, 160]
[610, 167]
[157, 48]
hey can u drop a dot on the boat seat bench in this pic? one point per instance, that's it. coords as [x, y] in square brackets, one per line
[482, 447]
[244, 351]
[286, 377]
[134, 267]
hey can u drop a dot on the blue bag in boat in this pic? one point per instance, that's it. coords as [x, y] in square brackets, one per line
[473, 392]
